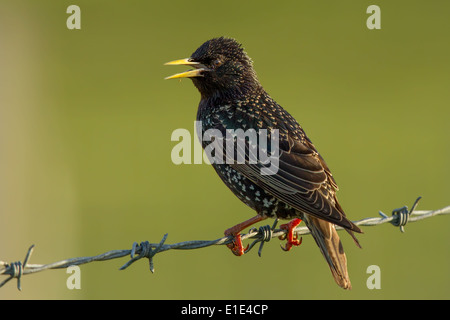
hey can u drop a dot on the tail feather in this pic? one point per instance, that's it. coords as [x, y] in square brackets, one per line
[326, 237]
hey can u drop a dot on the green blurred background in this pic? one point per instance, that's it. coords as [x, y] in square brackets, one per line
[86, 120]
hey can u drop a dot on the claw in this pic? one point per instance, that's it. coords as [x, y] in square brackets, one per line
[236, 246]
[289, 244]
[292, 240]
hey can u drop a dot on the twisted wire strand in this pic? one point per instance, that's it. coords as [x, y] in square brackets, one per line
[399, 218]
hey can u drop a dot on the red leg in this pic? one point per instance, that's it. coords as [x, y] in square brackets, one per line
[291, 239]
[236, 246]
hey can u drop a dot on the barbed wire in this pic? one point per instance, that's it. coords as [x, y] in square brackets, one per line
[399, 218]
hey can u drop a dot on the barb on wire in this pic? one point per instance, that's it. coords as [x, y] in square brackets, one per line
[401, 215]
[148, 250]
[16, 269]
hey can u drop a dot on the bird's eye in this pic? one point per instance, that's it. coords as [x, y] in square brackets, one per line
[217, 63]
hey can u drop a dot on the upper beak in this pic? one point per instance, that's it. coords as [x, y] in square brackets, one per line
[188, 74]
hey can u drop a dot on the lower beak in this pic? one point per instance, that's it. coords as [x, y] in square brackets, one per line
[188, 74]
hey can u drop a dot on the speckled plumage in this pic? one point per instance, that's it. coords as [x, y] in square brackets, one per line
[303, 187]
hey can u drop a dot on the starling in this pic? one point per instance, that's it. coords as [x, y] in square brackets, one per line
[302, 187]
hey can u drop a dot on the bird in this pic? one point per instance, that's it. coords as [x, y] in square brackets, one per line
[301, 188]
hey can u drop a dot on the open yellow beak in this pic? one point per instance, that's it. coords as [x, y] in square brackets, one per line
[183, 62]
[188, 74]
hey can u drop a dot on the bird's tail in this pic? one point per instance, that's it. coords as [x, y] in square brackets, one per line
[330, 245]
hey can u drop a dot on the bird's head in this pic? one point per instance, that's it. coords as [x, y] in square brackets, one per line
[221, 67]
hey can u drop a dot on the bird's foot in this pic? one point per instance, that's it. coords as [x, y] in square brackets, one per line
[236, 246]
[292, 240]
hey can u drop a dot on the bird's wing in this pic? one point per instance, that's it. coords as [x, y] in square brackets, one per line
[303, 180]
